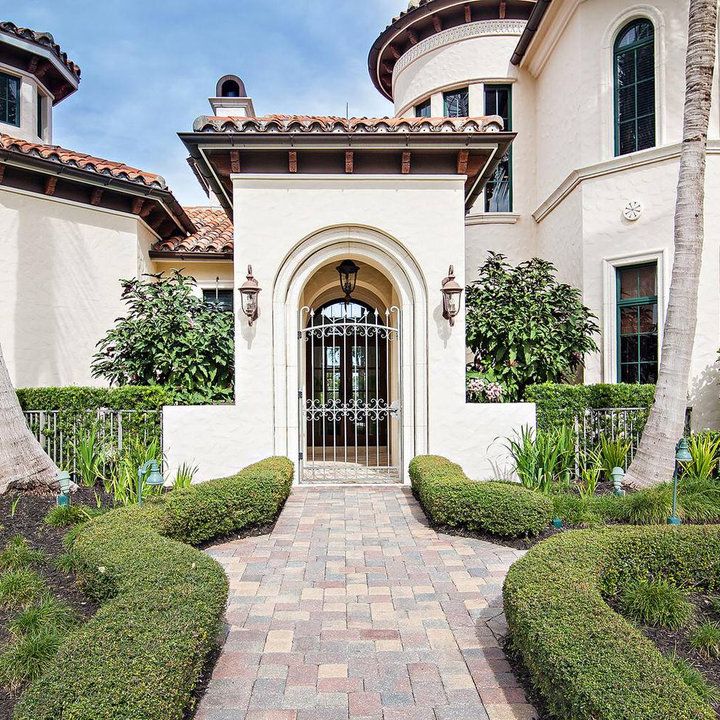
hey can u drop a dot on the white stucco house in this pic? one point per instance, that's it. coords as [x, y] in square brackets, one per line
[545, 128]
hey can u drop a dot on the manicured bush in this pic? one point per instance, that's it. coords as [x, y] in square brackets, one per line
[559, 404]
[79, 399]
[141, 655]
[586, 660]
[451, 499]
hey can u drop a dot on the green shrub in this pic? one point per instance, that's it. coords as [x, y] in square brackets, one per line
[694, 679]
[48, 612]
[18, 554]
[64, 516]
[28, 656]
[141, 655]
[705, 638]
[74, 399]
[500, 508]
[584, 659]
[19, 588]
[657, 603]
[559, 404]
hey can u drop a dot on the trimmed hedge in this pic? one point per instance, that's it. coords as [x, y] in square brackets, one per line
[451, 499]
[586, 660]
[141, 655]
[78, 399]
[559, 404]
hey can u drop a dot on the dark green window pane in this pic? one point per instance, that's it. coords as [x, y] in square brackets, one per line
[628, 349]
[9, 99]
[457, 103]
[498, 191]
[648, 373]
[648, 347]
[626, 104]
[222, 298]
[629, 374]
[423, 110]
[646, 133]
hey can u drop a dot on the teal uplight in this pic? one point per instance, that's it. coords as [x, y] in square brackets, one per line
[64, 483]
[682, 455]
[618, 475]
[154, 477]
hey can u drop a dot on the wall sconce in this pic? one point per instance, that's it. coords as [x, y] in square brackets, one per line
[451, 292]
[348, 272]
[249, 297]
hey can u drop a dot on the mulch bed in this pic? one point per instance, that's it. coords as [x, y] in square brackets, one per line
[27, 521]
[669, 641]
[516, 543]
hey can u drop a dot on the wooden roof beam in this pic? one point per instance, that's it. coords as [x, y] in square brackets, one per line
[234, 161]
[462, 162]
[50, 185]
[292, 161]
[349, 161]
[468, 14]
[503, 10]
[406, 162]
[437, 23]
[96, 196]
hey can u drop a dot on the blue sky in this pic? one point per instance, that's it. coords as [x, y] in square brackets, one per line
[148, 67]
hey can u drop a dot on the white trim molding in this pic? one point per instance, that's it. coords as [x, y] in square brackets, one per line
[492, 218]
[609, 320]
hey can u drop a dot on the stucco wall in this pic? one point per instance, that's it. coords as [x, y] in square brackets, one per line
[59, 285]
[29, 87]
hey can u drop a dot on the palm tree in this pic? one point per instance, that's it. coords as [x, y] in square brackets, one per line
[23, 463]
[654, 460]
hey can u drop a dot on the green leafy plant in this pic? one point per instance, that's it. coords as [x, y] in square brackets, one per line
[544, 460]
[19, 588]
[184, 476]
[64, 516]
[590, 470]
[66, 562]
[613, 453]
[524, 326]
[48, 612]
[89, 458]
[14, 506]
[18, 554]
[124, 478]
[705, 638]
[172, 338]
[705, 452]
[694, 679]
[657, 603]
[27, 657]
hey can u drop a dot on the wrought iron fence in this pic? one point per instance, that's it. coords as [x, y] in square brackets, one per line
[60, 431]
[613, 423]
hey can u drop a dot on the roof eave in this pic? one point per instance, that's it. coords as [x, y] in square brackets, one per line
[533, 24]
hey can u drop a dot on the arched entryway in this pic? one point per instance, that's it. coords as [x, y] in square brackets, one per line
[350, 409]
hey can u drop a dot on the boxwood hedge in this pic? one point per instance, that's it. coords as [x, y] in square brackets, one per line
[585, 660]
[141, 655]
[451, 499]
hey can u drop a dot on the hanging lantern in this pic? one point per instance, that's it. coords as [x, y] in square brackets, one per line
[451, 292]
[249, 297]
[348, 272]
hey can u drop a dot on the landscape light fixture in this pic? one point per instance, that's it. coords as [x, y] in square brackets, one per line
[348, 272]
[249, 292]
[618, 475]
[682, 455]
[451, 293]
[154, 477]
[64, 483]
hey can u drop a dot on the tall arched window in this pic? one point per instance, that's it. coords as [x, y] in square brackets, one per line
[634, 59]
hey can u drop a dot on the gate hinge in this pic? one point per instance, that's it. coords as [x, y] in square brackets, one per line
[300, 392]
[300, 455]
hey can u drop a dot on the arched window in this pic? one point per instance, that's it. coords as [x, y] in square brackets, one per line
[634, 60]
[230, 88]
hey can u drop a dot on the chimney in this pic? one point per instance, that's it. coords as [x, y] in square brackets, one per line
[231, 98]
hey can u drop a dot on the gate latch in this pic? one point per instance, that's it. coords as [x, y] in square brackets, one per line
[394, 408]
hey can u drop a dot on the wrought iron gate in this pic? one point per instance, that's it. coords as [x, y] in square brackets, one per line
[349, 397]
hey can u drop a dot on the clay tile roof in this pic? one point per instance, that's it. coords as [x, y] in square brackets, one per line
[214, 234]
[81, 161]
[330, 124]
[44, 39]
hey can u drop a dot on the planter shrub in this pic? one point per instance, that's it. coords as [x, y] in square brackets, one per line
[559, 404]
[586, 660]
[80, 399]
[451, 499]
[141, 655]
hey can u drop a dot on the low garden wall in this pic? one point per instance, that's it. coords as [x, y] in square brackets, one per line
[586, 661]
[141, 655]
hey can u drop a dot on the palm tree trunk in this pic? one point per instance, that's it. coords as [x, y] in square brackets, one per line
[654, 461]
[23, 463]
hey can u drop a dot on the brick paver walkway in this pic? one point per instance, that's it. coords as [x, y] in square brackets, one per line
[354, 608]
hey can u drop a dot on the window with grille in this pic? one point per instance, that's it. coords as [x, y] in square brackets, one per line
[457, 103]
[9, 99]
[637, 321]
[498, 191]
[423, 109]
[224, 299]
[635, 88]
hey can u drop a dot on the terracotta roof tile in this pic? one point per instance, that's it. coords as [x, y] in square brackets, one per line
[330, 124]
[44, 39]
[214, 234]
[81, 161]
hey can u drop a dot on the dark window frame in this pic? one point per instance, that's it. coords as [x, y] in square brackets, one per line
[40, 110]
[5, 102]
[420, 107]
[618, 53]
[507, 161]
[211, 293]
[454, 93]
[640, 301]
